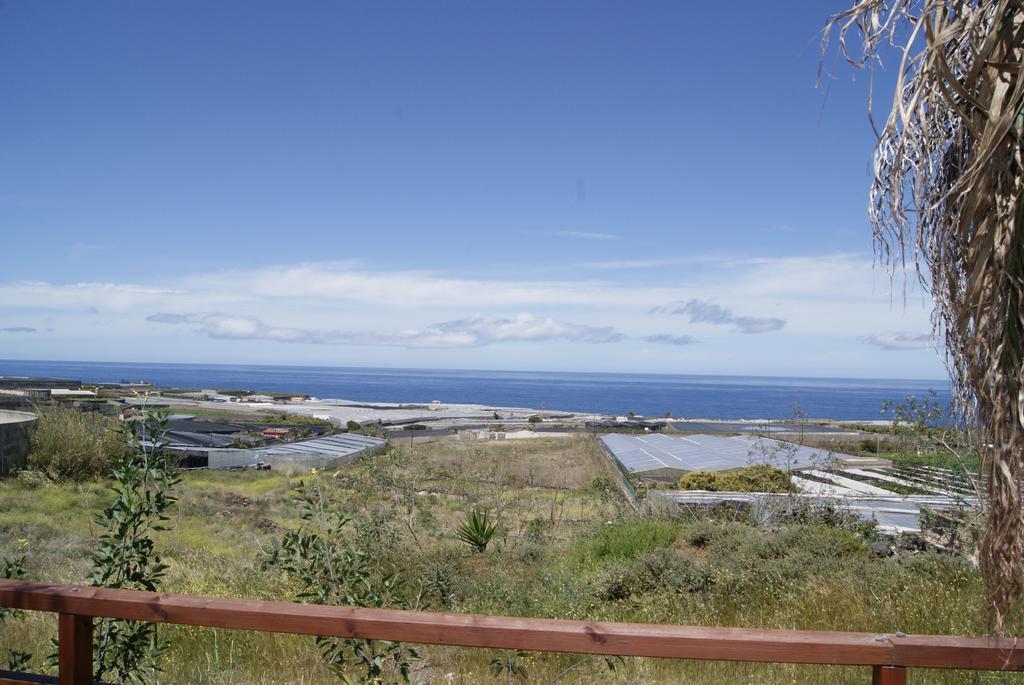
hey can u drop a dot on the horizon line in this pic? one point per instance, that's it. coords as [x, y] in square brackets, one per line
[476, 370]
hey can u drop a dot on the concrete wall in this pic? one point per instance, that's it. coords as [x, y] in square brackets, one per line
[14, 429]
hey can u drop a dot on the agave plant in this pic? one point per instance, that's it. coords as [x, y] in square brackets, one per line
[477, 530]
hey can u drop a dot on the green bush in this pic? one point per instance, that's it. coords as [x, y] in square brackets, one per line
[827, 515]
[632, 538]
[701, 534]
[663, 570]
[538, 530]
[759, 478]
[69, 445]
[700, 480]
[441, 577]
[31, 479]
[373, 430]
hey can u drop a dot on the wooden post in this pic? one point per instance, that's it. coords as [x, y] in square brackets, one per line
[889, 675]
[74, 634]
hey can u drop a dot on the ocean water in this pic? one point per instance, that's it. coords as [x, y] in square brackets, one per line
[712, 397]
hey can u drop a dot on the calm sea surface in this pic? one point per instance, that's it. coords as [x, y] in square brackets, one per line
[714, 397]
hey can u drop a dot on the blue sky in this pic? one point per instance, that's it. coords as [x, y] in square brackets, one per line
[600, 186]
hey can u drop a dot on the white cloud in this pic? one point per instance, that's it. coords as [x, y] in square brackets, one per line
[394, 288]
[82, 296]
[831, 280]
[473, 331]
[826, 302]
[666, 339]
[700, 311]
[901, 341]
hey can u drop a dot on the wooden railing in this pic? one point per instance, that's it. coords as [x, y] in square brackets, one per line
[889, 655]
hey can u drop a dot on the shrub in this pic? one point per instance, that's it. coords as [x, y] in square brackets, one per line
[699, 480]
[701, 534]
[143, 486]
[538, 530]
[828, 515]
[660, 571]
[69, 445]
[329, 569]
[758, 478]
[31, 479]
[441, 577]
[373, 430]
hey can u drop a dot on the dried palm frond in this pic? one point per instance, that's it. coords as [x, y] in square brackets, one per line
[947, 195]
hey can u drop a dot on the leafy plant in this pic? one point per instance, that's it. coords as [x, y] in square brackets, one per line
[332, 570]
[477, 530]
[18, 661]
[13, 568]
[509, 664]
[143, 483]
[919, 415]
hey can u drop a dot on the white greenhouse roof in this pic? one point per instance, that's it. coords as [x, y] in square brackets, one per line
[650, 452]
[341, 445]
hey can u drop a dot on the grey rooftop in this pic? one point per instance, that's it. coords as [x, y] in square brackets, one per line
[340, 445]
[650, 452]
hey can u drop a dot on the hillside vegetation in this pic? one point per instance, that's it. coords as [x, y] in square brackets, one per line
[566, 545]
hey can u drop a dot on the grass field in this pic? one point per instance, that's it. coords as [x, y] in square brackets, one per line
[566, 547]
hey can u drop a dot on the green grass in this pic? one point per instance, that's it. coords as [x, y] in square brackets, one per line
[560, 551]
[629, 539]
[967, 462]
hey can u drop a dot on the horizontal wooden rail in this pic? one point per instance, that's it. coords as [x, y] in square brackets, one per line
[11, 678]
[895, 652]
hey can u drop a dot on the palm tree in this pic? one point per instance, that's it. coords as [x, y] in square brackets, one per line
[948, 196]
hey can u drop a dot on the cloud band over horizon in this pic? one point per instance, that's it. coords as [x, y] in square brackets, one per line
[825, 310]
[472, 331]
